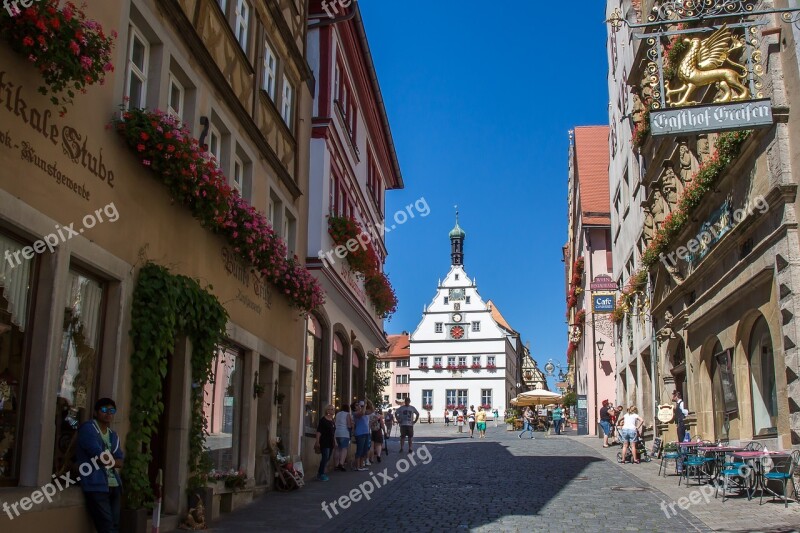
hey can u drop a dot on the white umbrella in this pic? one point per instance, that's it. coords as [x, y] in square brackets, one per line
[536, 397]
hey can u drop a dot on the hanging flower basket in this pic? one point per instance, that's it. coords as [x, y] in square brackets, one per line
[178, 160]
[70, 51]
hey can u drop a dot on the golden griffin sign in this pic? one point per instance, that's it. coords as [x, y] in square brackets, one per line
[702, 65]
[706, 62]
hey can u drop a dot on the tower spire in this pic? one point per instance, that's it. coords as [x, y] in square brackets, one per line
[457, 236]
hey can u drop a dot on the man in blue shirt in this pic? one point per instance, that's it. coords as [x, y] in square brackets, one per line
[558, 416]
[99, 454]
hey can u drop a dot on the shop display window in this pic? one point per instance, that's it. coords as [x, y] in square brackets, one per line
[16, 281]
[79, 361]
[222, 408]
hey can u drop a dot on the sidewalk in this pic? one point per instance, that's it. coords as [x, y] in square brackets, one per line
[735, 515]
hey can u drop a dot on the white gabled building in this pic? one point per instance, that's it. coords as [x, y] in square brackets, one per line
[459, 329]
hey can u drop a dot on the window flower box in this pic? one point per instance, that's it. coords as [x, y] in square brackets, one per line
[475, 366]
[451, 406]
[423, 367]
[437, 367]
[451, 368]
[486, 406]
[461, 367]
[491, 367]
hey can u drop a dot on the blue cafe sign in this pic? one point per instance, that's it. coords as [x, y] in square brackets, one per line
[603, 303]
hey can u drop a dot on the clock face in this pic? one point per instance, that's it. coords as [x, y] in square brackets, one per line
[456, 294]
[456, 332]
[457, 317]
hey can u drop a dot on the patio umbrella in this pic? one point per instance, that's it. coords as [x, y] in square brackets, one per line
[536, 397]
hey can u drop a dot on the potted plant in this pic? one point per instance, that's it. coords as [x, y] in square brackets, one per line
[491, 367]
[437, 366]
[258, 390]
[476, 366]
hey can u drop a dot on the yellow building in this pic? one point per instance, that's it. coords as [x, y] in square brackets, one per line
[234, 73]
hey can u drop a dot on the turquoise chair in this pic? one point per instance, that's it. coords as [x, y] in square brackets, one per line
[698, 464]
[783, 474]
[668, 456]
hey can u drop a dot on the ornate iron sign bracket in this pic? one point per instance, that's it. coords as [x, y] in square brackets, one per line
[720, 30]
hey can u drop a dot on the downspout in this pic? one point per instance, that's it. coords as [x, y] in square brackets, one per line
[653, 354]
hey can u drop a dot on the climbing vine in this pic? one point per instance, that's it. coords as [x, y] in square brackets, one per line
[728, 147]
[166, 306]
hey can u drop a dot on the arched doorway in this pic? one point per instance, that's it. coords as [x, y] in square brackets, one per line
[313, 372]
[763, 385]
[720, 386]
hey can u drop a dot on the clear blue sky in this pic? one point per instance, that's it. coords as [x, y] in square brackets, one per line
[480, 97]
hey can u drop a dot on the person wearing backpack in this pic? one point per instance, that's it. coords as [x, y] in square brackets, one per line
[377, 428]
[102, 488]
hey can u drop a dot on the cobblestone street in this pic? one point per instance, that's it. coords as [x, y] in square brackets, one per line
[502, 483]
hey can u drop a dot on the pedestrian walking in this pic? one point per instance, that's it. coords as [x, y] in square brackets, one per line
[102, 488]
[326, 434]
[496, 415]
[471, 421]
[480, 420]
[361, 417]
[558, 417]
[407, 416]
[446, 418]
[605, 422]
[388, 422]
[459, 420]
[630, 425]
[527, 417]
[343, 422]
[377, 429]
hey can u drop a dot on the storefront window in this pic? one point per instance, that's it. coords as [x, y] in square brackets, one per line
[223, 409]
[718, 397]
[337, 372]
[78, 364]
[15, 285]
[357, 378]
[313, 360]
[763, 388]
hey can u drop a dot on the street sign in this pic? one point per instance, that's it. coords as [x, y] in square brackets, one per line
[603, 303]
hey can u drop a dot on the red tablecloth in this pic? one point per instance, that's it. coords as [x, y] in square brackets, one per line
[720, 449]
[759, 453]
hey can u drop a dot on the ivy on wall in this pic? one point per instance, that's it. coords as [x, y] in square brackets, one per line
[728, 146]
[166, 306]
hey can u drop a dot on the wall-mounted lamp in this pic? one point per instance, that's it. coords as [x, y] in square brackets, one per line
[600, 345]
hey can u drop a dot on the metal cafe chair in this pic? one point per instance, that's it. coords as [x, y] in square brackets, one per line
[782, 473]
[753, 446]
[669, 456]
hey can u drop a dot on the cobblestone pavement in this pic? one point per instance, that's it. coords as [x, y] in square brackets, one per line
[502, 483]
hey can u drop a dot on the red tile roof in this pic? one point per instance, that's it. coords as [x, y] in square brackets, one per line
[591, 157]
[398, 345]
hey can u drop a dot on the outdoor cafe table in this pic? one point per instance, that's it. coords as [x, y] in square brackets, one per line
[720, 452]
[757, 457]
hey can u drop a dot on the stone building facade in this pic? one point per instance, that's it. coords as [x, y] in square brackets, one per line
[721, 295]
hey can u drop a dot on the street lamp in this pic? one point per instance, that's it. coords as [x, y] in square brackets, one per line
[600, 345]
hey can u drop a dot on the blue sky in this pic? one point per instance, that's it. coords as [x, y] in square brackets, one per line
[480, 97]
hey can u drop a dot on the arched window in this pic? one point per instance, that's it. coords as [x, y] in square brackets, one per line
[717, 394]
[313, 368]
[763, 388]
[357, 375]
[679, 371]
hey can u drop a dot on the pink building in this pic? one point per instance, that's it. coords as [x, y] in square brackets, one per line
[395, 362]
[588, 269]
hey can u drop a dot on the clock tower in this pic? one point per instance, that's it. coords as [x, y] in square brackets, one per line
[459, 354]
[457, 244]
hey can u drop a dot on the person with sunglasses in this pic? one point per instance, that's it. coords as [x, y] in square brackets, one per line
[102, 487]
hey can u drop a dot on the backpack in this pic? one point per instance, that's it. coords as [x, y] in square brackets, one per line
[375, 423]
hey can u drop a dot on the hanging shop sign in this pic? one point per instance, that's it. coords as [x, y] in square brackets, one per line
[704, 65]
[603, 282]
[712, 118]
[603, 303]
